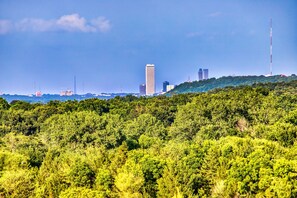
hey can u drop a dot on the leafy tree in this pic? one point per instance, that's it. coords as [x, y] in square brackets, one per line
[52, 177]
[145, 124]
[4, 104]
[82, 128]
[18, 121]
[81, 192]
[17, 183]
[104, 182]
[30, 147]
[81, 175]
[18, 105]
[97, 105]
[130, 180]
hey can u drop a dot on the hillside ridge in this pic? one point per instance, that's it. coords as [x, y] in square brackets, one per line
[227, 81]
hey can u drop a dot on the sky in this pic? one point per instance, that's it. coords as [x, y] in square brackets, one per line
[107, 43]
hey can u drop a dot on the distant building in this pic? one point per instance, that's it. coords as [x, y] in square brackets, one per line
[142, 89]
[165, 83]
[169, 87]
[200, 74]
[205, 74]
[66, 93]
[38, 94]
[150, 79]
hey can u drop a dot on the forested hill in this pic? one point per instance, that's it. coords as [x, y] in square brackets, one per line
[231, 142]
[233, 81]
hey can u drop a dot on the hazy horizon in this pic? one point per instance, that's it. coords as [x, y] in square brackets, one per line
[122, 91]
[106, 45]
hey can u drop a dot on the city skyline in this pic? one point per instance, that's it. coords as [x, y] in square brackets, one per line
[44, 44]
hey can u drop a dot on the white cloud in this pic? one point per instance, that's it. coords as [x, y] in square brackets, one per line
[102, 24]
[36, 25]
[5, 26]
[69, 23]
[74, 22]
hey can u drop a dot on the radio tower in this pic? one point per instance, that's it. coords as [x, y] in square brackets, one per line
[270, 47]
[74, 86]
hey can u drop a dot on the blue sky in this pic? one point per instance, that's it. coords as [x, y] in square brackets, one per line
[107, 43]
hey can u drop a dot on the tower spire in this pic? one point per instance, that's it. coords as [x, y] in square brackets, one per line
[74, 86]
[271, 47]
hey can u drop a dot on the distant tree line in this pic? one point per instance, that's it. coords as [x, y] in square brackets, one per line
[231, 142]
[228, 81]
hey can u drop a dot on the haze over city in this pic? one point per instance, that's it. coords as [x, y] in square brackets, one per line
[106, 44]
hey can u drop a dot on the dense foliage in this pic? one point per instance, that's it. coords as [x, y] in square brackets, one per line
[233, 142]
[228, 81]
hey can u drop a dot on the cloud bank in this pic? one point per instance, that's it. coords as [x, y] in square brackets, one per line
[5, 26]
[68, 23]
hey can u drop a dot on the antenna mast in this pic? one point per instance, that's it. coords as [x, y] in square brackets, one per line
[271, 47]
[74, 86]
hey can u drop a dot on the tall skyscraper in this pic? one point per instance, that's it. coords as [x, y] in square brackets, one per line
[165, 83]
[205, 74]
[142, 89]
[200, 74]
[150, 79]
